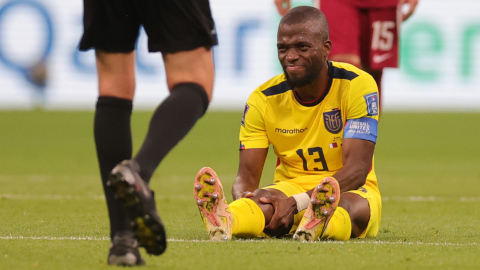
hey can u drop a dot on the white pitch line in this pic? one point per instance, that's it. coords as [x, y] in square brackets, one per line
[84, 238]
[95, 238]
[428, 199]
[78, 197]
[376, 242]
[188, 198]
[50, 197]
[404, 243]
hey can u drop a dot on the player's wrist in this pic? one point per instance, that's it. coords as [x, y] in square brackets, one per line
[302, 200]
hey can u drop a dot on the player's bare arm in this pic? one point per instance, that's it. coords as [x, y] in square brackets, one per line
[246, 184]
[412, 4]
[357, 161]
[249, 172]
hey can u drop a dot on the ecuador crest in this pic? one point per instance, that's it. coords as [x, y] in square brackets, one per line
[333, 121]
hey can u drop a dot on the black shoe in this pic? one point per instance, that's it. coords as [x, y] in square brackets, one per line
[139, 204]
[124, 250]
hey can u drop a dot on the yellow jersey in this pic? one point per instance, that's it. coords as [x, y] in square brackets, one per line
[307, 136]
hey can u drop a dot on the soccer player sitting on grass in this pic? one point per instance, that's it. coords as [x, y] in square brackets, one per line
[321, 118]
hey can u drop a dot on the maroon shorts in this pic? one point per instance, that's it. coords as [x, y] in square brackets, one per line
[371, 33]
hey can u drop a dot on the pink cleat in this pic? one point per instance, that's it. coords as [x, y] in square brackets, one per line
[213, 207]
[324, 201]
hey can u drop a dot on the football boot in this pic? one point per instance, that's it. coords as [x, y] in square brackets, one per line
[139, 204]
[323, 203]
[124, 250]
[213, 207]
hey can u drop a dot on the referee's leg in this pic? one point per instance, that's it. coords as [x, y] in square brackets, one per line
[112, 123]
[190, 76]
[194, 66]
[116, 74]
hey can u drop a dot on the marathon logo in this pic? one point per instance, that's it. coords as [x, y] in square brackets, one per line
[291, 131]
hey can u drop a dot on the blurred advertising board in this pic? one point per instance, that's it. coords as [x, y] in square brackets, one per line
[41, 66]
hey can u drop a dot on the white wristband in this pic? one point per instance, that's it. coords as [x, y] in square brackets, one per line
[303, 200]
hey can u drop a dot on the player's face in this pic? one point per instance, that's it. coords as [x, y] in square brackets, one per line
[301, 52]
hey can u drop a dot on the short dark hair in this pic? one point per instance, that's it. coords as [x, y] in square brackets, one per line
[303, 14]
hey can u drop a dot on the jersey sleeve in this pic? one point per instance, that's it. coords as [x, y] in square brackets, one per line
[253, 133]
[363, 109]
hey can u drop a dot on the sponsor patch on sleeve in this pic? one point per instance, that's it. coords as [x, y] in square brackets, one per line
[244, 114]
[364, 128]
[372, 104]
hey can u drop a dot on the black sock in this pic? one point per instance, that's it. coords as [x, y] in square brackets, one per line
[169, 124]
[113, 141]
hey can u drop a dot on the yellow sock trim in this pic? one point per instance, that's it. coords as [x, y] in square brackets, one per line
[248, 219]
[340, 226]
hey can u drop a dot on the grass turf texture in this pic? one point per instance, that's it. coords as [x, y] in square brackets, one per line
[50, 194]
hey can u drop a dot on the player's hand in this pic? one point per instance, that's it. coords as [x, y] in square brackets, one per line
[283, 6]
[283, 216]
[412, 5]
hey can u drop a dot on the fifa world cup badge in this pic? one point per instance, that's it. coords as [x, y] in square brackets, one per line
[372, 104]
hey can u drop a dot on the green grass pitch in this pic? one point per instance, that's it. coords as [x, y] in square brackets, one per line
[53, 215]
